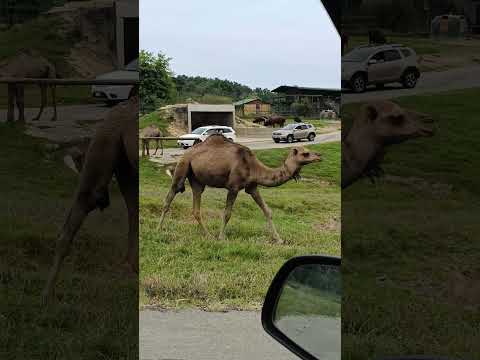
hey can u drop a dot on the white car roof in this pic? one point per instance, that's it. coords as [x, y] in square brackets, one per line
[216, 127]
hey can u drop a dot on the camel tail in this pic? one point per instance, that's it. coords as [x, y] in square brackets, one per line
[180, 175]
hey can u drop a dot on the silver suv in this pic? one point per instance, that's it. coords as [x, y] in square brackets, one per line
[293, 132]
[379, 65]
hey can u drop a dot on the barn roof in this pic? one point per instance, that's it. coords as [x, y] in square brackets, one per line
[248, 100]
[299, 90]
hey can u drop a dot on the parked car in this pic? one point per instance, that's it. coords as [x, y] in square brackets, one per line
[328, 114]
[379, 65]
[113, 94]
[293, 132]
[200, 134]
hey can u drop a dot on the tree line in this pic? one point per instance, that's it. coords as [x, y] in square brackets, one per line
[159, 86]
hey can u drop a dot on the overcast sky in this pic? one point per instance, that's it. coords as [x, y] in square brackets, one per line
[259, 43]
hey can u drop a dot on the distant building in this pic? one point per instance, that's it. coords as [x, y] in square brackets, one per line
[252, 106]
[316, 99]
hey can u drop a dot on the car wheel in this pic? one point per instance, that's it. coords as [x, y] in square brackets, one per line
[311, 137]
[185, 147]
[290, 139]
[409, 79]
[359, 83]
[380, 86]
[276, 140]
[198, 141]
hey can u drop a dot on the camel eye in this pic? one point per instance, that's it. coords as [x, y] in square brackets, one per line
[306, 154]
[398, 120]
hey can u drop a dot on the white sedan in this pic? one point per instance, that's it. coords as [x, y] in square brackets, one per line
[113, 94]
[200, 134]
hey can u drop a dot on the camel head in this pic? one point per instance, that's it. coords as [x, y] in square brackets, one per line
[299, 157]
[392, 124]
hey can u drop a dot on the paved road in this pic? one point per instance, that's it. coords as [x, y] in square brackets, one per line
[172, 154]
[430, 82]
[199, 335]
[319, 335]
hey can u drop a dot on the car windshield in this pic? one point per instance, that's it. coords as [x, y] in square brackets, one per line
[289, 127]
[132, 66]
[358, 54]
[199, 131]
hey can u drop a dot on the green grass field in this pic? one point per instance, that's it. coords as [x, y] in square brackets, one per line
[402, 241]
[180, 267]
[94, 311]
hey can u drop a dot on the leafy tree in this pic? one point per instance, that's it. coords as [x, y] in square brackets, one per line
[156, 84]
[301, 108]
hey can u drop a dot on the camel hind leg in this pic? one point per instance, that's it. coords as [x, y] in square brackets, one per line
[82, 206]
[178, 186]
[43, 102]
[231, 197]
[128, 183]
[54, 102]
[197, 190]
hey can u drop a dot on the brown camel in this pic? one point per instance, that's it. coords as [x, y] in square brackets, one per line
[29, 64]
[113, 151]
[149, 132]
[220, 163]
[379, 125]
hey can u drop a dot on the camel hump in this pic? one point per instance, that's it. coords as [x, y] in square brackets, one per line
[216, 139]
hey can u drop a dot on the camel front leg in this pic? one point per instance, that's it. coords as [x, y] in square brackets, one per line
[143, 148]
[231, 197]
[43, 102]
[156, 147]
[266, 211]
[54, 102]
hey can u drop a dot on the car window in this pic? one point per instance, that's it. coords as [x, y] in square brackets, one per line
[392, 55]
[212, 131]
[358, 54]
[380, 56]
[198, 131]
[226, 131]
[304, 127]
[298, 128]
[406, 52]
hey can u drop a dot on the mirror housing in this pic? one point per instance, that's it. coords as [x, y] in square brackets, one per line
[372, 62]
[274, 293]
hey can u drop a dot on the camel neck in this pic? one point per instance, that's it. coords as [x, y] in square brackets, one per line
[358, 149]
[270, 177]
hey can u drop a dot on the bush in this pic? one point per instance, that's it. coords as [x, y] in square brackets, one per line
[301, 108]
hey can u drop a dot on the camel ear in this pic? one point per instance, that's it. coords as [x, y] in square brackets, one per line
[295, 151]
[371, 113]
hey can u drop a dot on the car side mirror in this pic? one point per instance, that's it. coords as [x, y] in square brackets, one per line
[303, 306]
[372, 61]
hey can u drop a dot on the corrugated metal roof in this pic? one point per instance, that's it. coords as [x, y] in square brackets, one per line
[299, 90]
[246, 101]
